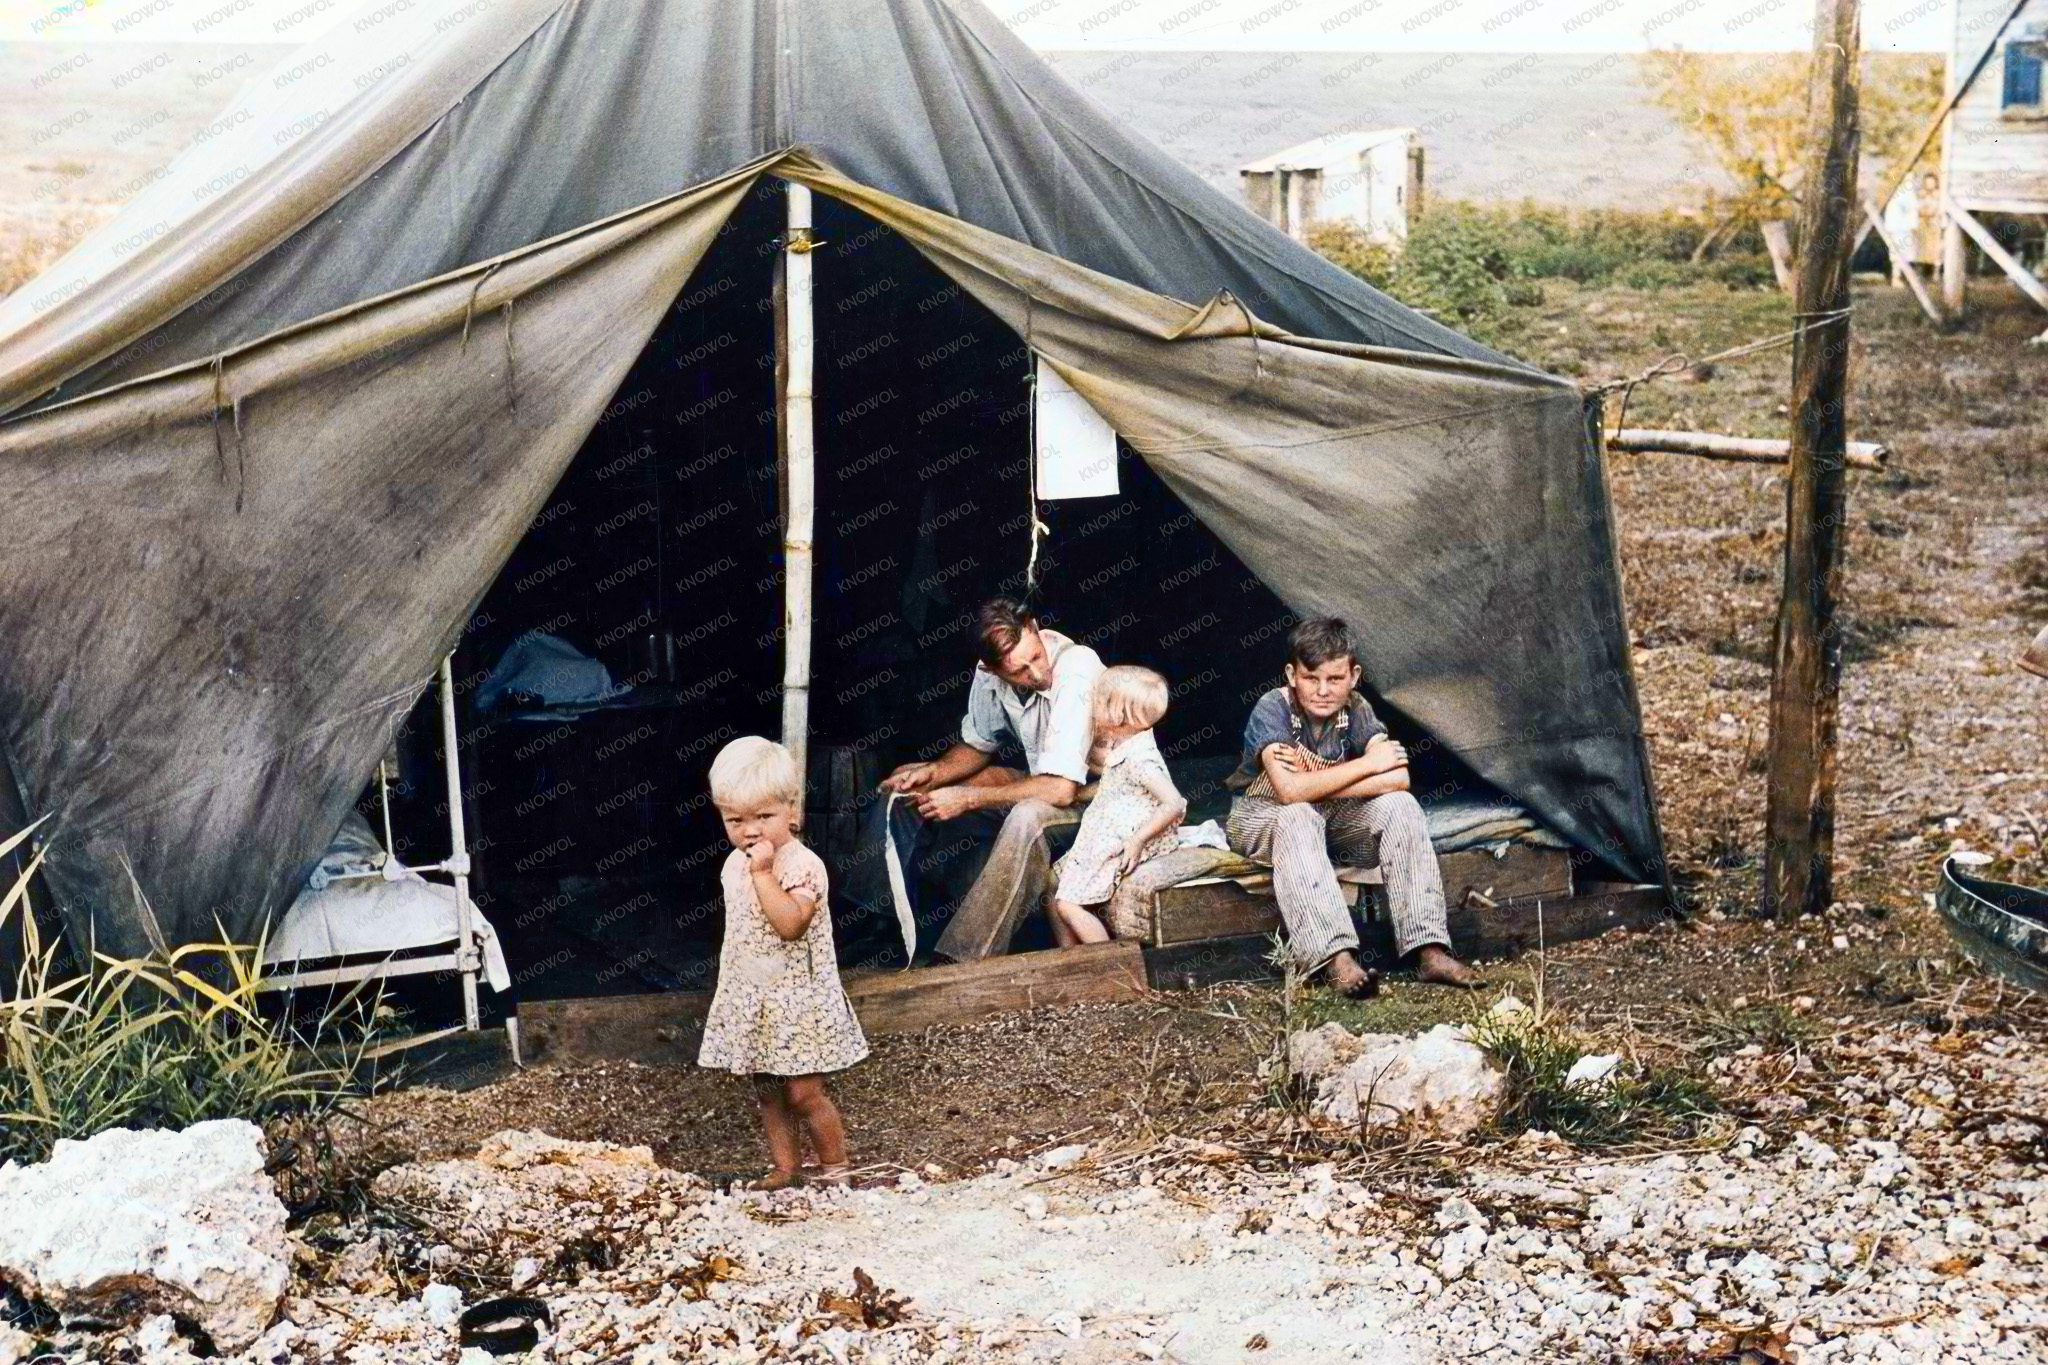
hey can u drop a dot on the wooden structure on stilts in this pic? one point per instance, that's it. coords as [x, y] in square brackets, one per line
[1989, 189]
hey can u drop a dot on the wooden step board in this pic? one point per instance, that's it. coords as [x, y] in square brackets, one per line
[1214, 908]
[668, 1028]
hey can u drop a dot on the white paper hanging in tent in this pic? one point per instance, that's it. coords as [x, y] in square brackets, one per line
[1076, 448]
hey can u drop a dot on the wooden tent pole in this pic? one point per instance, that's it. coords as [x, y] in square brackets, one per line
[1806, 680]
[794, 334]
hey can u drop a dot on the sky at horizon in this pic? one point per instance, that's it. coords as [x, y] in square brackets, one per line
[1153, 25]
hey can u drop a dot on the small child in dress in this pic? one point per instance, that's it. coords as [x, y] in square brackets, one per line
[780, 1015]
[1136, 807]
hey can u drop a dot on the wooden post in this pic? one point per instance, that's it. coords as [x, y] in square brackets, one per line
[1806, 680]
[1778, 241]
[1709, 445]
[796, 465]
[1955, 266]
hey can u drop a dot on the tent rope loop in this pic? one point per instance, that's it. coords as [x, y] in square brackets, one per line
[1678, 361]
[469, 309]
[511, 362]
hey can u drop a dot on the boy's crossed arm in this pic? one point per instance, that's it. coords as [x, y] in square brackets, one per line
[1297, 775]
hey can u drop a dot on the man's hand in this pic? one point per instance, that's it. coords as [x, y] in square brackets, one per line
[911, 777]
[945, 803]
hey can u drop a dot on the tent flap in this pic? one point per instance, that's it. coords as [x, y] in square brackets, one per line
[229, 584]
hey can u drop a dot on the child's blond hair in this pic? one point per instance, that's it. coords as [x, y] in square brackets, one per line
[1128, 695]
[751, 771]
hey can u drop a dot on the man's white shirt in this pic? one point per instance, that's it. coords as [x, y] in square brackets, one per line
[1053, 727]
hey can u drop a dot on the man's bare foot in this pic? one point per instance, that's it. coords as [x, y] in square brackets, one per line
[1347, 978]
[1435, 964]
[777, 1179]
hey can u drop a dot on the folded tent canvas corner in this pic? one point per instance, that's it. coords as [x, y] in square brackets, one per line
[277, 427]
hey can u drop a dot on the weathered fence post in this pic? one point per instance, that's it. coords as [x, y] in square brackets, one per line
[1806, 679]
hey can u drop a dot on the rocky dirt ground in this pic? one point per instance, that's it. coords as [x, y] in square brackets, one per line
[1873, 1192]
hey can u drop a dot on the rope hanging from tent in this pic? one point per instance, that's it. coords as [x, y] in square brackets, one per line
[1678, 362]
[1038, 528]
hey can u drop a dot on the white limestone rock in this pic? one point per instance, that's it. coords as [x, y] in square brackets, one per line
[1439, 1082]
[128, 1225]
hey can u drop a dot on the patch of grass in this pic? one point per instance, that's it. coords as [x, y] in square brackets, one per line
[164, 1041]
[1536, 1054]
[1400, 1007]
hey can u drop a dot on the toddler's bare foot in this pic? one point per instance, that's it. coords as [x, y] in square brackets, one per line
[777, 1179]
[1435, 964]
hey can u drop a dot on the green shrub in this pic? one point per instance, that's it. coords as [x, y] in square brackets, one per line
[1471, 264]
[164, 1041]
[1743, 272]
[1656, 274]
[1345, 244]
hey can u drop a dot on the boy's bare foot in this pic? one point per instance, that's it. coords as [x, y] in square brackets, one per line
[1435, 964]
[1347, 978]
[777, 1179]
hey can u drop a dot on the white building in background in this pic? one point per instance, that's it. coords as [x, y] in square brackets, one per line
[1373, 179]
[1990, 186]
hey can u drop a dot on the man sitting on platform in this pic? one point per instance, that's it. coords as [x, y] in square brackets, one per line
[1321, 784]
[959, 816]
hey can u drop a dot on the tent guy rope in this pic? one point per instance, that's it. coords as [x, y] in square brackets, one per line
[1678, 362]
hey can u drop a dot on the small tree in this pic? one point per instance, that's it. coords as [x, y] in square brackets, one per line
[1749, 113]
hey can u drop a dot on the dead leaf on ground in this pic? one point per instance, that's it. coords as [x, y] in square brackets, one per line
[1257, 1343]
[698, 1279]
[1757, 1348]
[868, 1306]
[1254, 1220]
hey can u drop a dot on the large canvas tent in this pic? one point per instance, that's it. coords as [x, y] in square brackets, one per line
[276, 430]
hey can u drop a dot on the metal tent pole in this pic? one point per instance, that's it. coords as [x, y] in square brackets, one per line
[467, 958]
[794, 342]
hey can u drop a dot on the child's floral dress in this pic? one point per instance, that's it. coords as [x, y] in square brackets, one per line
[779, 1010]
[1088, 874]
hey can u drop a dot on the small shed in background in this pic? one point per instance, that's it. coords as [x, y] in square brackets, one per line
[1373, 179]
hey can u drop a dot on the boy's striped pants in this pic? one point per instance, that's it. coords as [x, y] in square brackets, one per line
[1305, 843]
